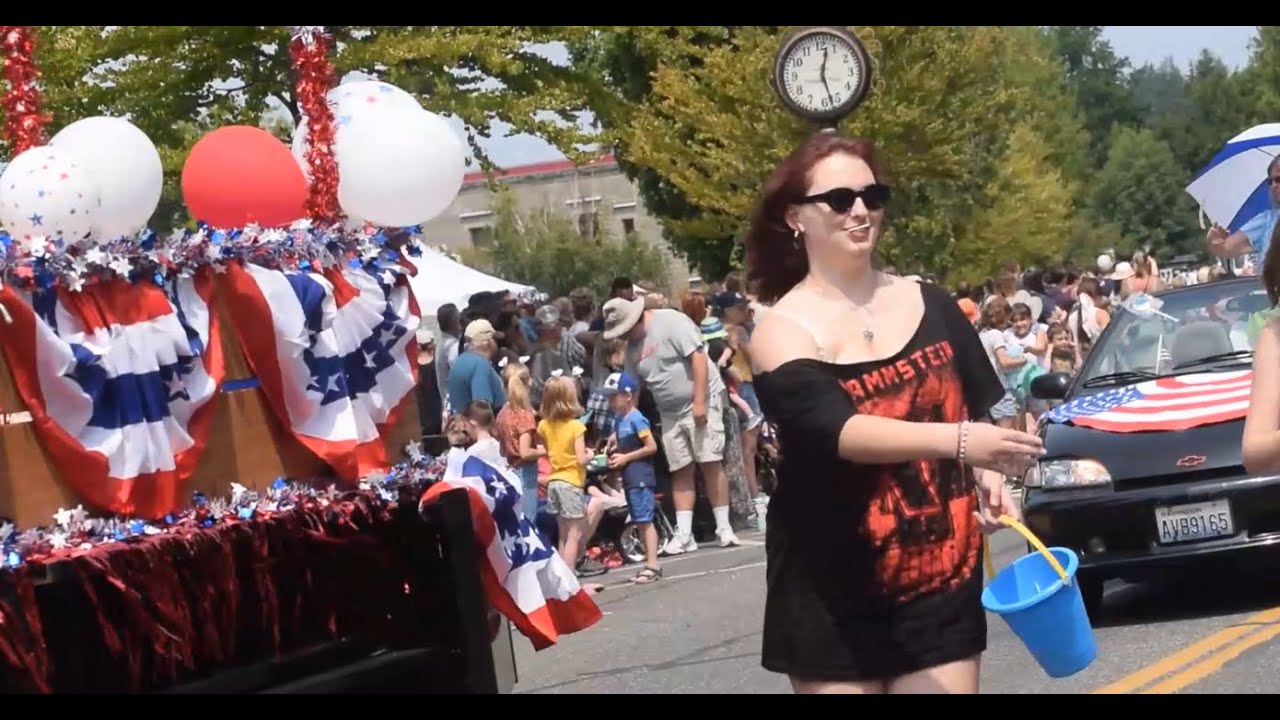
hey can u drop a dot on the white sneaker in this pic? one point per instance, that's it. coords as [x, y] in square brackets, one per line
[679, 545]
[728, 538]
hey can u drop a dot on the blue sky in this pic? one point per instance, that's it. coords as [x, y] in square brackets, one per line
[1141, 43]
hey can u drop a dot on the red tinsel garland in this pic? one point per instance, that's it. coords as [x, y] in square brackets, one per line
[24, 123]
[310, 52]
[160, 610]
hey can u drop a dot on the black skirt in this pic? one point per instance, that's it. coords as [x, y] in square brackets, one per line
[816, 630]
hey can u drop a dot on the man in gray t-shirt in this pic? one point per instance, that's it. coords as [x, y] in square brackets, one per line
[666, 352]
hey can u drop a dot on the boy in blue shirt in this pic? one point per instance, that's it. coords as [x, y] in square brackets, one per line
[631, 450]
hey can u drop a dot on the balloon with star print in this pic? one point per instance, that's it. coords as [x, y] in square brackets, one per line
[47, 192]
[354, 104]
[370, 92]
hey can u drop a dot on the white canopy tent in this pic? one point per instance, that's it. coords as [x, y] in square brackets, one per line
[441, 281]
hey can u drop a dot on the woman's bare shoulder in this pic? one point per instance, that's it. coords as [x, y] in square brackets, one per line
[1270, 333]
[783, 335]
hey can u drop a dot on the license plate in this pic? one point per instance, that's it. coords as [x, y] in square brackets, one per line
[1199, 521]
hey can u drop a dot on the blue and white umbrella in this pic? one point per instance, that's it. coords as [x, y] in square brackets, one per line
[1234, 187]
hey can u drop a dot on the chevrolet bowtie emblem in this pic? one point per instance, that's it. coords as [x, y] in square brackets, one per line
[1191, 461]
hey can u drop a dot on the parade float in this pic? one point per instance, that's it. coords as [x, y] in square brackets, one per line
[210, 477]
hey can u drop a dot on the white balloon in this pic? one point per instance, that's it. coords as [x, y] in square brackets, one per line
[48, 192]
[369, 92]
[399, 168]
[351, 103]
[127, 166]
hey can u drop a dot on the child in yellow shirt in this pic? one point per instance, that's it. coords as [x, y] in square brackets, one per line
[564, 437]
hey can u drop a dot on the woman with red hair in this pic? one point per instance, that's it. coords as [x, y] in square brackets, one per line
[880, 391]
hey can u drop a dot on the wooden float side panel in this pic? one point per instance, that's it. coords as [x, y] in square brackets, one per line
[30, 492]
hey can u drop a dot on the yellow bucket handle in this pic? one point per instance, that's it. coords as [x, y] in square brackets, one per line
[1031, 538]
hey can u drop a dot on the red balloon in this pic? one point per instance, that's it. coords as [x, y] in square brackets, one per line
[242, 175]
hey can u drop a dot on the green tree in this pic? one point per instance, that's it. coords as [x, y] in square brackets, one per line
[1089, 238]
[1218, 104]
[624, 58]
[1264, 70]
[178, 82]
[545, 247]
[946, 96]
[1140, 190]
[1045, 101]
[1097, 76]
[1160, 93]
[1025, 213]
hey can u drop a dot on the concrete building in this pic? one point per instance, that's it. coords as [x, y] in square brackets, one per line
[597, 191]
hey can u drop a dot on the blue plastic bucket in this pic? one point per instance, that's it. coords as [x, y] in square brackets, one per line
[1045, 611]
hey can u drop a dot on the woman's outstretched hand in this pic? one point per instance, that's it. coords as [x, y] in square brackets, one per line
[1006, 451]
[994, 501]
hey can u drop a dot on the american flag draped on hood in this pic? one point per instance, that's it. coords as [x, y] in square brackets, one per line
[1171, 403]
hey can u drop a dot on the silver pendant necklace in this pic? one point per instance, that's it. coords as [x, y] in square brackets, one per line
[867, 333]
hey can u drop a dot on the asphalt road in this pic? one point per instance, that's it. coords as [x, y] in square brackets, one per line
[698, 631]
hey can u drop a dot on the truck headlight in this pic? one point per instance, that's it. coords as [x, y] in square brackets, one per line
[1066, 475]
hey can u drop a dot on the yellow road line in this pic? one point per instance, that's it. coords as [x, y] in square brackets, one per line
[1213, 663]
[1190, 654]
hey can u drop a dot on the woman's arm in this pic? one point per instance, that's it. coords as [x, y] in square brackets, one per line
[1261, 445]
[813, 405]
[826, 412]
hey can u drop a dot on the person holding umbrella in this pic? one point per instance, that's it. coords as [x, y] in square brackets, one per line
[1234, 186]
[1255, 235]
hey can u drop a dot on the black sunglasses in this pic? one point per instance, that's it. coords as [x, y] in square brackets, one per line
[841, 200]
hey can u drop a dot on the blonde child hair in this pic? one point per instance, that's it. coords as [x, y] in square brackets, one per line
[519, 383]
[615, 349]
[560, 400]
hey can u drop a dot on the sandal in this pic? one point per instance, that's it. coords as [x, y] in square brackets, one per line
[647, 576]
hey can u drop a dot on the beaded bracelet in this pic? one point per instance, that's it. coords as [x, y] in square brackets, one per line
[962, 442]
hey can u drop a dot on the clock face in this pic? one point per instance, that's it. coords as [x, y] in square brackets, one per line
[821, 74]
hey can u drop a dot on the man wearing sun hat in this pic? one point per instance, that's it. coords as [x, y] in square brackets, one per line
[666, 352]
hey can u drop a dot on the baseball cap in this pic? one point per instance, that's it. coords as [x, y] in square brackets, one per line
[726, 300]
[620, 382]
[481, 330]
